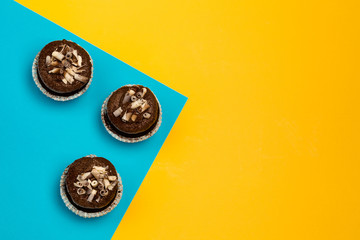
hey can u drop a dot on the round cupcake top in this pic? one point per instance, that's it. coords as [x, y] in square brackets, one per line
[64, 67]
[91, 183]
[133, 109]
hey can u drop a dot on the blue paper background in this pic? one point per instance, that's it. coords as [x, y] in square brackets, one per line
[39, 137]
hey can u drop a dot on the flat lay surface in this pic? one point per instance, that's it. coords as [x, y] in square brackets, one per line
[265, 148]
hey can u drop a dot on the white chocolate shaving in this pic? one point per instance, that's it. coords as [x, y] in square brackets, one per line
[137, 103]
[106, 183]
[91, 196]
[126, 116]
[142, 93]
[63, 47]
[89, 184]
[70, 71]
[113, 184]
[81, 191]
[128, 95]
[58, 55]
[96, 174]
[85, 183]
[48, 60]
[67, 48]
[131, 92]
[64, 80]
[66, 63]
[80, 78]
[144, 106]
[139, 94]
[101, 186]
[79, 71]
[126, 98]
[54, 63]
[101, 181]
[146, 115]
[133, 98]
[79, 58]
[112, 178]
[98, 199]
[100, 169]
[117, 112]
[86, 175]
[133, 117]
[78, 184]
[68, 55]
[88, 191]
[144, 90]
[69, 78]
[94, 183]
[55, 70]
[104, 192]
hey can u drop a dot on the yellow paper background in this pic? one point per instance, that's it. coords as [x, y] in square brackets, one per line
[267, 146]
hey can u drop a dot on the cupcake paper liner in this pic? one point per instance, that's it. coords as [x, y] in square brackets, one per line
[121, 138]
[81, 213]
[57, 97]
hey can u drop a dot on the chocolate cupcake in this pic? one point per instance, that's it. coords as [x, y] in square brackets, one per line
[92, 184]
[132, 112]
[64, 68]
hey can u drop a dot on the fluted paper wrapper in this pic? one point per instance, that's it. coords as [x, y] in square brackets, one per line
[57, 97]
[121, 138]
[81, 213]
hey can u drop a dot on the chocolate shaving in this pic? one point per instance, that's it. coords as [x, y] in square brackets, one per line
[106, 183]
[104, 192]
[79, 58]
[59, 56]
[48, 60]
[78, 184]
[68, 55]
[117, 112]
[133, 117]
[81, 191]
[133, 98]
[144, 106]
[101, 186]
[126, 116]
[69, 78]
[80, 78]
[55, 70]
[128, 95]
[112, 178]
[137, 103]
[113, 184]
[91, 196]
[97, 178]
[86, 175]
[68, 62]
[94, 183]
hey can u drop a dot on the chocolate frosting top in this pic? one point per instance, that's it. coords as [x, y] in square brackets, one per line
[84, 165]
[142, 110]
[54, 81]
